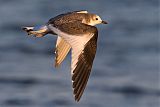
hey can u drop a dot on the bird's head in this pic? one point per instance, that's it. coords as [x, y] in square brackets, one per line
[95, 19]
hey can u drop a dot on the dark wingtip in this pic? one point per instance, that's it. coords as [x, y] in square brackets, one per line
[77, 99]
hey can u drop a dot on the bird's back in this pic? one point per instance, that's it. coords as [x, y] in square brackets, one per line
[67, 18]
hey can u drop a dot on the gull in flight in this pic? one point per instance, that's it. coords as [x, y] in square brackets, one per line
[75, 31]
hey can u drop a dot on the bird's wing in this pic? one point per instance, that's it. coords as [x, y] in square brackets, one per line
[62, 49]
[83, 40]
[82, 61]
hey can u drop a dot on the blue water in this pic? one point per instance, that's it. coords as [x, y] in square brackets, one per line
[125, 71]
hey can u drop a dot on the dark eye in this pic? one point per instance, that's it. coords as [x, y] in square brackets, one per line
[96, 18]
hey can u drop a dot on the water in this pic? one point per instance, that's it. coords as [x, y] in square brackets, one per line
[125, 71]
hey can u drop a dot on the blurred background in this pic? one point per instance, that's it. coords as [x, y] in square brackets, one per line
[125, 71]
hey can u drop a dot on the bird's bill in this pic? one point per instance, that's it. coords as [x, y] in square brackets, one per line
[38, 31]
[104, 22]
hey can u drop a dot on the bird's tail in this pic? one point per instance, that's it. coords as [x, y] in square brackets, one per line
[38, 31]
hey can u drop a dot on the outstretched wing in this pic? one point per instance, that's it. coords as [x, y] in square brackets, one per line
[83, 41]
[81, 66]
[62, 49]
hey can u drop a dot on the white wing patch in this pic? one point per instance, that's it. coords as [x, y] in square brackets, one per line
[77, 43]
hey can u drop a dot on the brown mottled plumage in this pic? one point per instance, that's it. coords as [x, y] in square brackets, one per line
[76, 31]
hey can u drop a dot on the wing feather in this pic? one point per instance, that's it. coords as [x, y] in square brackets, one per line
[83, 67]
[83, 40]
[62, 49]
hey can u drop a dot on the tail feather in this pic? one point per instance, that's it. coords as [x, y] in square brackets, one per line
[28, 30]
[37, 32]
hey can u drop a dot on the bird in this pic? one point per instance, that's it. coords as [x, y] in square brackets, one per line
[75, 31]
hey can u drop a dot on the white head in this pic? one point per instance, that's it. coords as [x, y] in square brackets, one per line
[94, 20]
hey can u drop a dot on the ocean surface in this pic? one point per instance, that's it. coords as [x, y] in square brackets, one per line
[125, 71]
